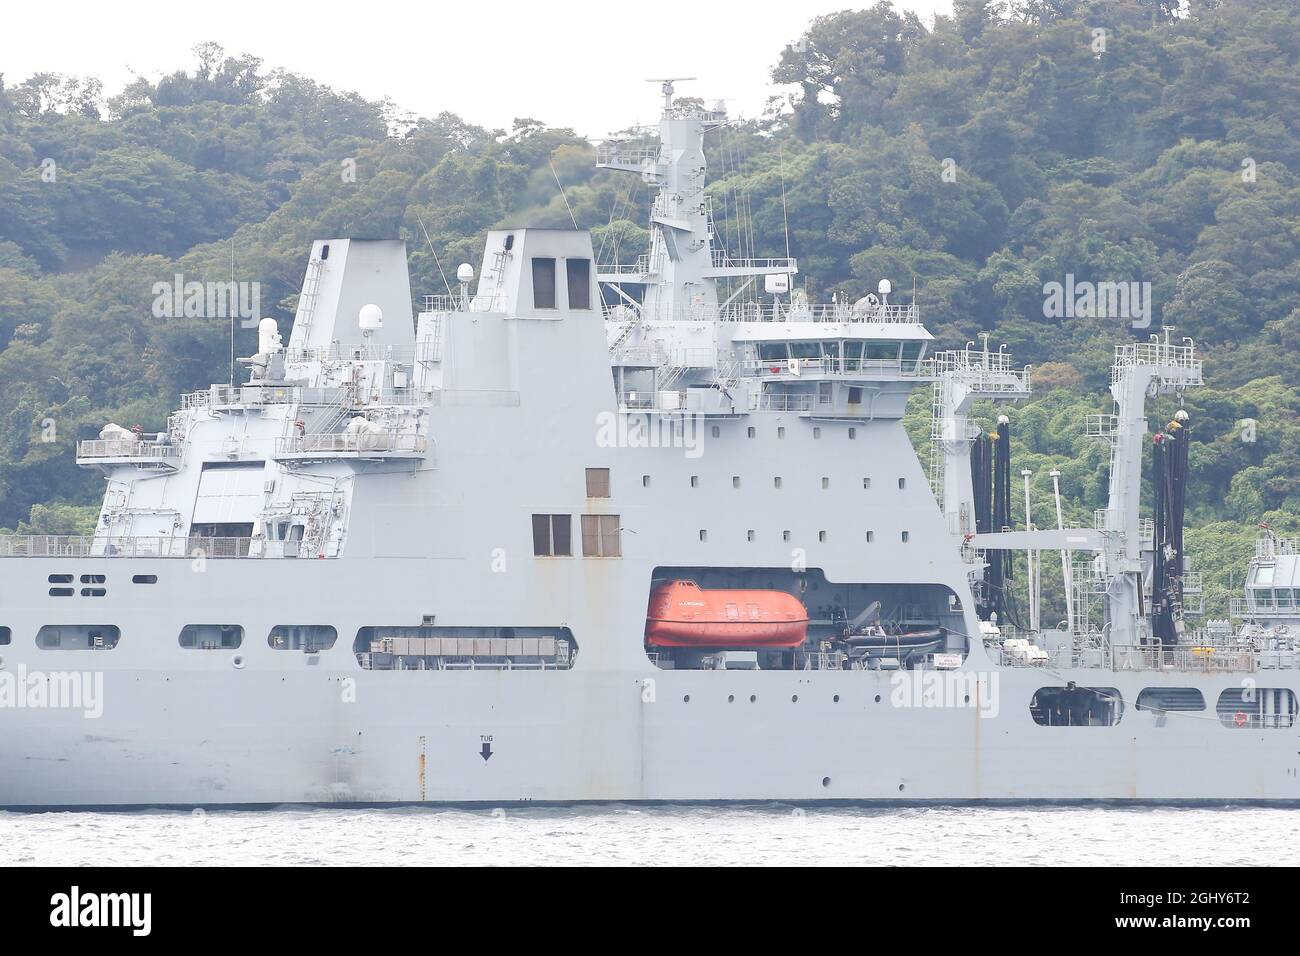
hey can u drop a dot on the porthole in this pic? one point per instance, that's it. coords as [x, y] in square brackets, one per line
[731, 698]
[686, 699]
[835, 699]
[794, 698]
[826, 781]
[238, 662]
[753, 698]
[877, 698]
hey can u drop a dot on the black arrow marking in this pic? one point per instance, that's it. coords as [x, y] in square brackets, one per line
[486, 752]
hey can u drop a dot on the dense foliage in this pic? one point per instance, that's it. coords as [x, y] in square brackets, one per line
[1005, 147]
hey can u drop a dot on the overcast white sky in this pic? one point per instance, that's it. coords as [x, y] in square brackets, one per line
[572, 63]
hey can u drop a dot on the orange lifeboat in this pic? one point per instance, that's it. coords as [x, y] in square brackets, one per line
[682, 614]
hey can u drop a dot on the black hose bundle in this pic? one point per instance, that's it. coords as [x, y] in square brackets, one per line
[1169, 477]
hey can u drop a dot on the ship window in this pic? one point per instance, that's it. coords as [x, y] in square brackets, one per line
[308, 638]
[882, 351]
[92, 579]
[60, 579]
[552, 536]
[773, 352]
[905, 536]
[93, 592]
[776, 482]
[597, 482]
[5, 635]
[77, 637]
[780, 431]
[1165, 699]
[211, 637]
[601, 537]
[704, 535]
[1076, 707]
[866, 484]
[817, 432]
[695, 481]
[785, 535]
[749, 535]
[543, 283]
[61, 592]
[144, 579]
[855, 395]
[1256, 708]
[805, 350]
[871, 536]
[912, 355]
[902, 483]
[853, 351]
[1264, 574]
[821, 536]
[751, 432]
[324, 252]
[825, 395]
[578, 272]
[717, 432]
[853, 433]
[645, 481]
[826, 482]
[735, 481]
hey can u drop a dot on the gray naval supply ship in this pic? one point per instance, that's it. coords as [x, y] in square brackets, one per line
[584, 532]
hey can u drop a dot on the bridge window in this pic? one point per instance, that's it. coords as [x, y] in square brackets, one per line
[601, 537]
[578, 272]
[1164, 699]
[552, 536]
[773, 352]
[543, 283]
[1076, 707]
[1256, 708]
[211, 637]
[78, 637]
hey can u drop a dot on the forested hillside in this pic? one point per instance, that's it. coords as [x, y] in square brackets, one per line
[975, 161]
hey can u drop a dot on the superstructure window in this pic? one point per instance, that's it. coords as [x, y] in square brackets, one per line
[552, 536]
[77, 637]
[578, 272]
[597, 482]
[308, 638]
[1076, 707]
[211, 637]
[6, 635]
[601, 536]
[1165, 699]
[543, 283]
[1251, 708]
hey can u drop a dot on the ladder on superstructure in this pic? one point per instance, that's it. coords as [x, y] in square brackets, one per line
[307, 298]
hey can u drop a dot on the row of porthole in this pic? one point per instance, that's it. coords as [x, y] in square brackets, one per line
[753, 698]
[752, 432]
[777, 482]
[751, 535]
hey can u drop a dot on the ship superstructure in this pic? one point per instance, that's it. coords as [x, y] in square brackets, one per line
[580, 531]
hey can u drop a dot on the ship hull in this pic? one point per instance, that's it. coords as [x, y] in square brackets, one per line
[427, 737]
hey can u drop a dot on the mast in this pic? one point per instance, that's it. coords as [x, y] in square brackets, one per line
[680, 271]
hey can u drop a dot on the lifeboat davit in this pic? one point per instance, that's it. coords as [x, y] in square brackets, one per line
[682, 614]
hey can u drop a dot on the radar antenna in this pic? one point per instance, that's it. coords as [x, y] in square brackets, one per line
[667, 88]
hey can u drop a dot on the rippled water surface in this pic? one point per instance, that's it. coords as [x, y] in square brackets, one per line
[618, 834]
